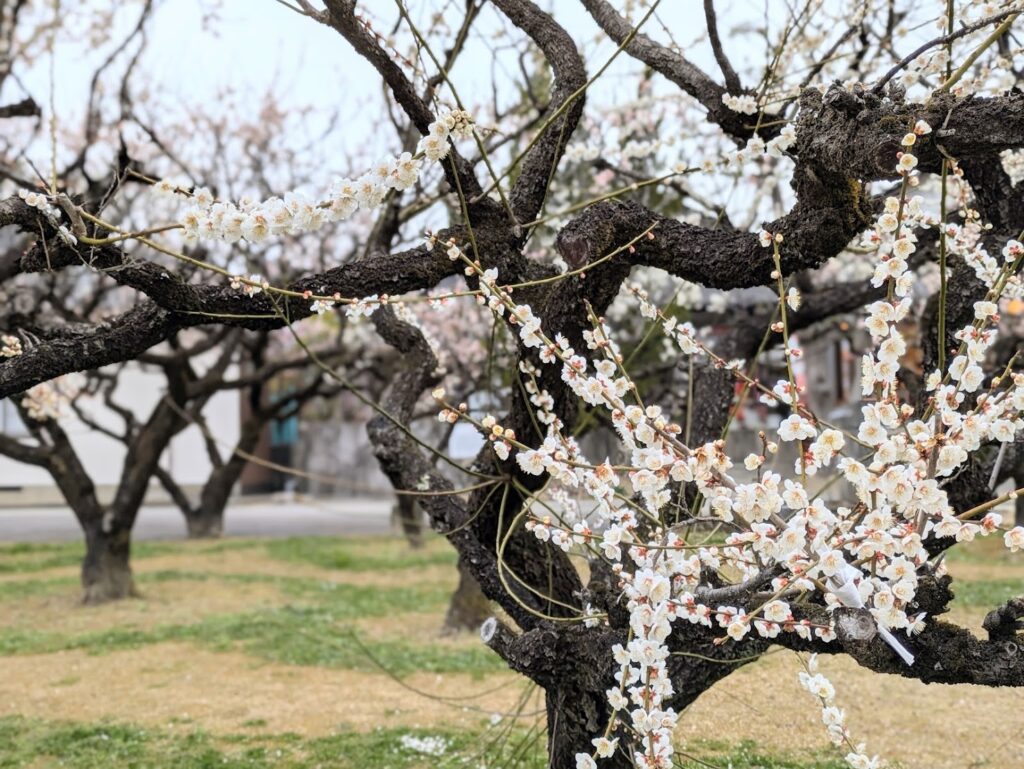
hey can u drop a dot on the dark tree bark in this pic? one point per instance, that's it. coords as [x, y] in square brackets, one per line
[106, 570]
[846, 139]
[205, 523]
[575, 716]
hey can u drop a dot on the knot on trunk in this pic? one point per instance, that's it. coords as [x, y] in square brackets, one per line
[855, 625]
[1006, 622]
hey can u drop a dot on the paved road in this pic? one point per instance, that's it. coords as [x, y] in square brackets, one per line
[264, 517]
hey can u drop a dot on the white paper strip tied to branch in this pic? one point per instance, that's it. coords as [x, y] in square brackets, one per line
[844, 587]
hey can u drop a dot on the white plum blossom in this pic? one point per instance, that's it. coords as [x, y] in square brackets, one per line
[744, 103]
[796, 428]
[295, 214]
[10, 346]
[429, 746]
[1014, 539]
[777, 520]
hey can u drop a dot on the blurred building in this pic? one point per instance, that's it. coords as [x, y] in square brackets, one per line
[138, 388]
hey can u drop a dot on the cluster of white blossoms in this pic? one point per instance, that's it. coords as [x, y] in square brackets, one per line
[966, 240]
[43, 204]
[833, 717]
[38, 201]
[251, 286]
[756, 146]
[10, 346]
[1013, 164]
[44, 401]
[783, 538]
[745, 104]
[428, 746]
[365, 307]
[255, 220]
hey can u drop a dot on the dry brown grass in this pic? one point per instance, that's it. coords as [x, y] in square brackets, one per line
[905, 721]
[225, 692]
[161, 603]
[222, 691]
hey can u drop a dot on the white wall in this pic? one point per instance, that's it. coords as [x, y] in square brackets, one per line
[139, 388]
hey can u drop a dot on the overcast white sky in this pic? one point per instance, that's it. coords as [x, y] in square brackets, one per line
[256, 42]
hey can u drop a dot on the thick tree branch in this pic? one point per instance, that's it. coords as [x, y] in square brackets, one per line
[858, 134]
[341, 16]
[944, 653]
[675, 67]
[531, 186]
[732, 80]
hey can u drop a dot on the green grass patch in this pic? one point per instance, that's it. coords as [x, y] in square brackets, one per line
[33, 556]
[294, 635]
[12, 590]
[38, 744]
[986, 594]
[314, 630]
[748, 755]
[367, 554]
[362, 554]
[349, 601]
[28, 557]
[41, 745]
[314, 637]
[362, 601]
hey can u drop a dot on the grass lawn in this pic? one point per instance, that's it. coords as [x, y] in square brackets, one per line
[326, 652]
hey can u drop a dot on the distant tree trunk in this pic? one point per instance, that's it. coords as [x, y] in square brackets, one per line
[206, 520]
[106, 573]
[203, 523]
[468, 607]
[407, 512]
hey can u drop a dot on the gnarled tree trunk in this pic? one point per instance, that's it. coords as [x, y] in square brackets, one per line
[106, 573]
[575, 717]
